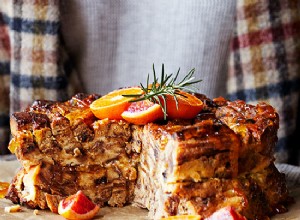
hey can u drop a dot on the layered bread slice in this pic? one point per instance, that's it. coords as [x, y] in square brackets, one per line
[223, 157]
[67, 149]
[197, 167]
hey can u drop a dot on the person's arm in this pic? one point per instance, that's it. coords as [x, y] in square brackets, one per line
[33, 64]
[264, 65]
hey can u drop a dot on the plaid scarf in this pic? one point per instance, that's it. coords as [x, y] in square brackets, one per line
[263, 63]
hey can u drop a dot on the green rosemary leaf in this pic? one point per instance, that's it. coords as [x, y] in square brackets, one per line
[188, 76]
[162, 75]
[157, 92]
[147, 83]
[143, 88]
[175, 78]
[164, 106]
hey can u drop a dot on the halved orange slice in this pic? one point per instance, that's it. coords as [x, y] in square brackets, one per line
[3, 189]
[226, 213]
[188, 106]
[77, 206]
[183, 217]
[143, 112]
[113, 104]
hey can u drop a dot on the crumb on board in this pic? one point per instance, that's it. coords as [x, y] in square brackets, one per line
[13, 208]
[35, 212]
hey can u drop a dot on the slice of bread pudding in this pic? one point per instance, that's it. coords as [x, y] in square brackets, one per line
[223, 157]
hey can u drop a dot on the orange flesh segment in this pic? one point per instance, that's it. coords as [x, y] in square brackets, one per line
[113, 104]
[81, 204]
[183, 217]
[78, 207]
[188, 106]
[3, 189]
[142, 112]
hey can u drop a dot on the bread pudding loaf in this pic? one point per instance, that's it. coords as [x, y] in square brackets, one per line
[223, 157]
[63, 149]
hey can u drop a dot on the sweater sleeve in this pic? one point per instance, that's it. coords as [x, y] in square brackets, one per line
[33, 63]
[264, 64]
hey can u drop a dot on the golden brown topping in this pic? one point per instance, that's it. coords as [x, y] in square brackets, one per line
[14, 208]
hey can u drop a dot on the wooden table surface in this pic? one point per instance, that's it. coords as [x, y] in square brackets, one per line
[8, 169]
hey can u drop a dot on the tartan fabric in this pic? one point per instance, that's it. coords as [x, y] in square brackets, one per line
[4, 79]
[33, 63]
[264, 64]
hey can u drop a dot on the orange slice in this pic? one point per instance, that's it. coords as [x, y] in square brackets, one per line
[77, 206]
[226, 213]
[188, 106]
[3, 189]
[183, 217]
[113, 104]
[143, 112]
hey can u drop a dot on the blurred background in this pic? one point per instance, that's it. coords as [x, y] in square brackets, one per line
[241, 49]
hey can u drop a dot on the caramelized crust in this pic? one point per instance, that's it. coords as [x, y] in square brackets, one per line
[70, 150]
[257, 128]
[223, 157]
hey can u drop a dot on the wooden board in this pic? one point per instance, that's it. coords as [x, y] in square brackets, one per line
[8, 169]
[126, 213]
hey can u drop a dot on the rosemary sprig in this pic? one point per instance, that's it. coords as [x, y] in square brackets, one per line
[157, 90]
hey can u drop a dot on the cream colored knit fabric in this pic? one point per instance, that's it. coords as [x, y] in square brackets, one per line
[114, 43]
